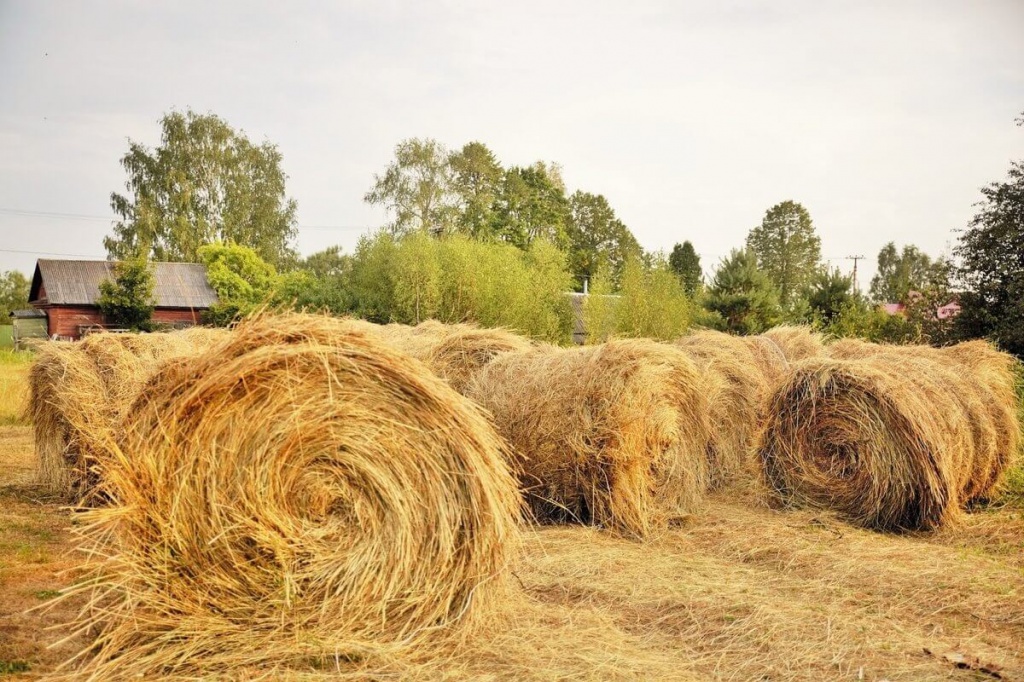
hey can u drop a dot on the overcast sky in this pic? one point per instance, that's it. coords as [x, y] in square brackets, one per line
[882, 118]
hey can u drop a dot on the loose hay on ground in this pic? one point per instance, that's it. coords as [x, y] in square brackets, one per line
[892, 438]
[296, 495]
[613, 435]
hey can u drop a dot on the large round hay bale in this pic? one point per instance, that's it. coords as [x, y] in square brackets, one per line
[768, 356]
[300, 495]
[985, 389]
[886, 440]
[796, 343]
[614, 435]
[80, 391]
[737, 391]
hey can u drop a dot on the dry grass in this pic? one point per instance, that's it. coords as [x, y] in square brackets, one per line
[745, 593]
[738, 391]
[80, 391]
[796, 343]
[297, 494]
[454, 352]
[893, 437]
[14, 368]
[614, 435]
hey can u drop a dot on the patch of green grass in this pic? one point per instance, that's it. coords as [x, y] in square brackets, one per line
[21, 358]
[13, 667]
[46, 595]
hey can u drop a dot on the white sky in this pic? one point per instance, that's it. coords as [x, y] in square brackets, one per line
[882, 118]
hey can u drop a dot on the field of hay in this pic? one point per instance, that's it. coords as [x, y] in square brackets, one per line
[734, 591]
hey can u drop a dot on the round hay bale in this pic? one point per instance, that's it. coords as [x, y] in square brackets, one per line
[884, 440]
[81, 390]
[796, 343]
[984, 387]
[614, 435]
[297, 494]
[737, 390]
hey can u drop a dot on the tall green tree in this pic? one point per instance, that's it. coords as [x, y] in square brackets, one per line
[685, 262]
[127, 299]
[830, 295]
[787, 248]
[243, 281]
[991, 253]
[204, 182]
[743, 295]
[899, 273]
[476, 180]
[598, 240]
[531, 204]
[14, 290]
[416, 189]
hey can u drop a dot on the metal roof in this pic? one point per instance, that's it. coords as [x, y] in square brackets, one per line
[77, 282]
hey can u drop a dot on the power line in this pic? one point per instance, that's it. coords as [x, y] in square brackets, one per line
[82, 216]
[52, 253]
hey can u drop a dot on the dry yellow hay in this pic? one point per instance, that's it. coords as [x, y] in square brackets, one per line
[737, 390]
[986, 391]
[796, 343]
[614, 435]
[455, 352]
[80, 390]
[892, 438]
[297, 496]
[769, 357]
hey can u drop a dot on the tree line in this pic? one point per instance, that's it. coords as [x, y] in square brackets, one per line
[470, 238]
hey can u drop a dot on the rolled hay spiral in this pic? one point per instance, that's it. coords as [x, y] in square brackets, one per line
[614, 435]
[796, 342]
[738, 392]
[887, 439]
[986, 391]
[79, 391]
[298, 494]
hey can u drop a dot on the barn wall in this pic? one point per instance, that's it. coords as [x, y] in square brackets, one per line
[65, 321]
[177, 315]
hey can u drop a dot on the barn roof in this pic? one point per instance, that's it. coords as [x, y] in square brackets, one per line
[77, 282]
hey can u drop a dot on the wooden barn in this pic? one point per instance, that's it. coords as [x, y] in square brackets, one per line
[66, 291]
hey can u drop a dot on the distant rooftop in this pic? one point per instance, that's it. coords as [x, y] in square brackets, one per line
[77, 282]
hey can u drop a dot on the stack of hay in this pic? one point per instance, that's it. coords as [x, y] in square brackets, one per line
[80, 391]
[738, 389]
[297, 495]
[614, 435]
[893, 437]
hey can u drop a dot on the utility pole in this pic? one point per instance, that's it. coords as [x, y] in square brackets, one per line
[854, 259]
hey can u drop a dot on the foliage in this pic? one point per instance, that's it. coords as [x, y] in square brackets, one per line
[127, 300]
[320, 282]
[650, 303]
[14, 290]
[416, 188]
[900, 273]
[476, 178]
[243, 281]
[830, 293]
[787, 249]
[743, 295]
[531, 204]
[991, 253]
[598, 240]
[204, 182]
[458, 279]
[685, 262]
[856, 318]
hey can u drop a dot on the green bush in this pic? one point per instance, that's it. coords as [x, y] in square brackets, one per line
[457, 279]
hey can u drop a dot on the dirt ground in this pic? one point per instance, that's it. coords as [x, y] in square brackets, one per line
[741, 593]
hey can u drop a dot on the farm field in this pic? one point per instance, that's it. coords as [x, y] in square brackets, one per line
[737, 591]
